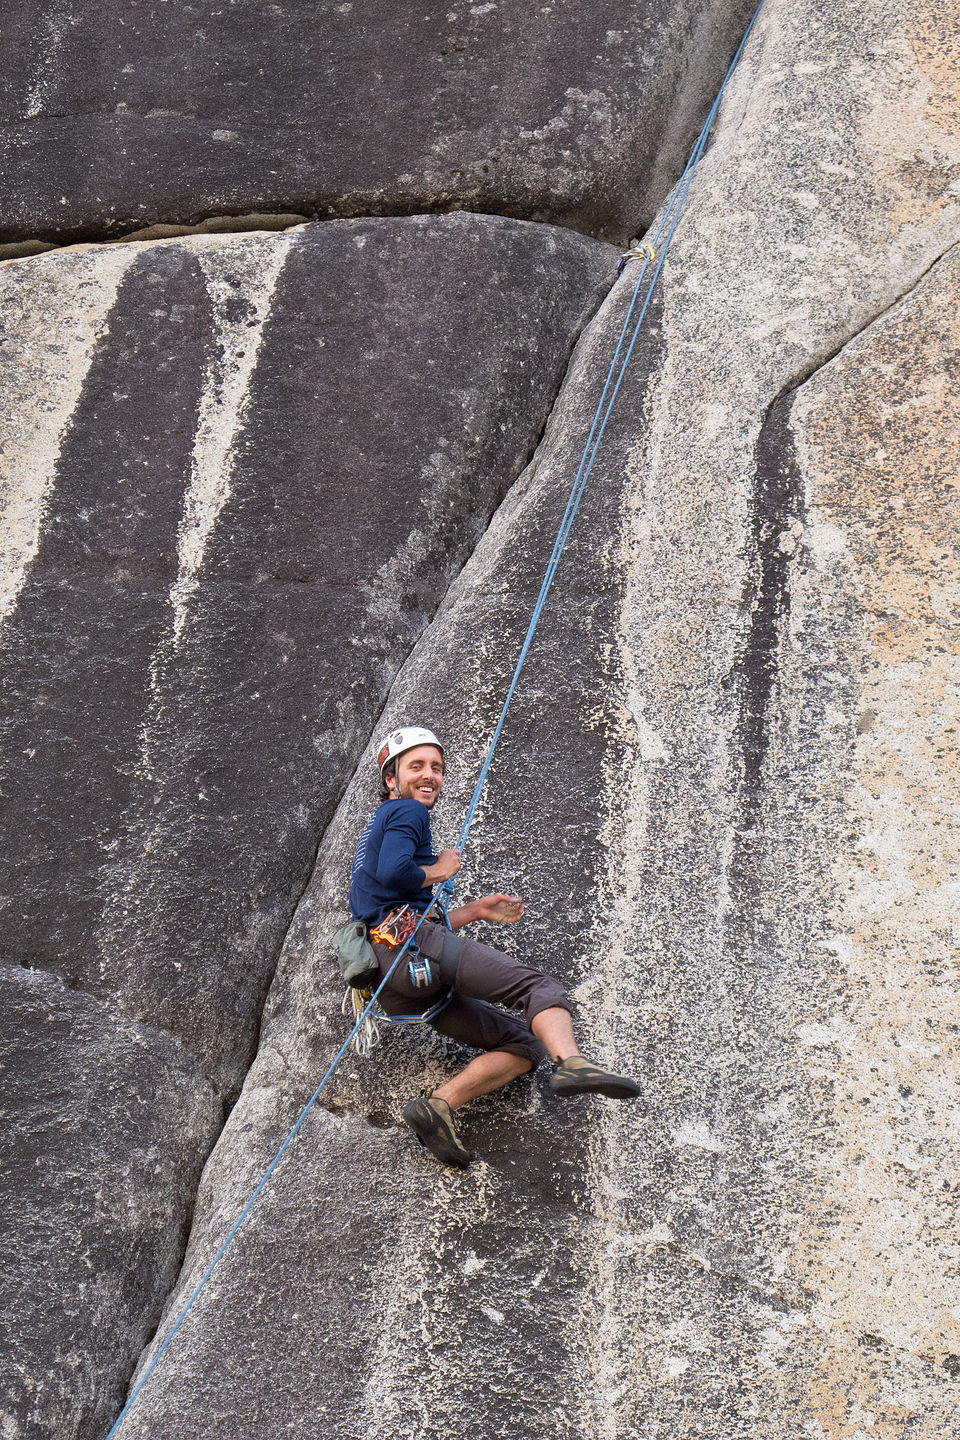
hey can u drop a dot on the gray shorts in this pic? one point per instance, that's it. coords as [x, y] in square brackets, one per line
[483, 979]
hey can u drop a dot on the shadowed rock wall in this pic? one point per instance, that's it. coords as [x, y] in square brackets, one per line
[281, 451]
[106, 1123]
[117, 116]
[253, 467]
[462, 1274]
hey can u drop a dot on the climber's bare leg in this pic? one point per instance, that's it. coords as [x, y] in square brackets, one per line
[484, 1073]
[554, 1029]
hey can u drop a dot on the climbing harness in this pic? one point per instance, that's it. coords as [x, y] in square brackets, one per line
[396, 929]
[646, 255]
[399, 928]
[392, 931]
[368, 1017]
[430, 1014]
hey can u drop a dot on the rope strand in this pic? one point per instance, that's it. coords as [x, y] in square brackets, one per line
[288, 1141]
[669, 222]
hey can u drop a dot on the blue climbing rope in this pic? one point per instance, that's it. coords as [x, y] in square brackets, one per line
[291, 1136]
[651, 253]
[611, 387]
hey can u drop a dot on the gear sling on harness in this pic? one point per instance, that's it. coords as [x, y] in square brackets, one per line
[649, 254]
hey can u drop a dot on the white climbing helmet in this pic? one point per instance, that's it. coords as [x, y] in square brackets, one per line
[400, 740]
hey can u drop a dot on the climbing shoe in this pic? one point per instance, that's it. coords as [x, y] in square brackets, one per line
[431, 1121]
[578, 1076]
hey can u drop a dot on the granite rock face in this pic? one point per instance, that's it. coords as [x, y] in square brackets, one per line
[97, 1190]
[874, 586]
[276, 454]
[727, 789]
[485, 1232]
[240, 475]
[118, 116]
[728, 796]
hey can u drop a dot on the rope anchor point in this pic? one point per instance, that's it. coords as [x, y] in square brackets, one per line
[640, 251]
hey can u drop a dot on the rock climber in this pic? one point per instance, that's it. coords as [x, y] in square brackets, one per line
[394, 871]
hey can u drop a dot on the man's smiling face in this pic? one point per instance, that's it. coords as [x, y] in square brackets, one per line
[419, 775]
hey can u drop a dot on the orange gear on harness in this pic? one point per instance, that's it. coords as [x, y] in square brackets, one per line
[396, 928]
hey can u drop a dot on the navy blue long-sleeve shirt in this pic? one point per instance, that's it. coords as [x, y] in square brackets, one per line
[395, 845]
